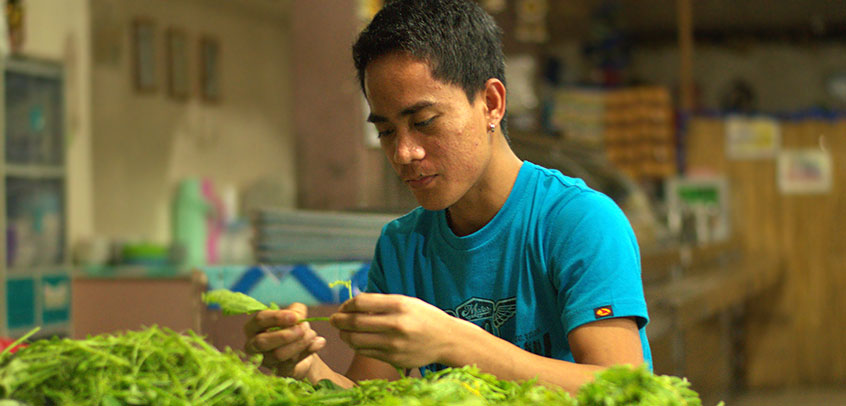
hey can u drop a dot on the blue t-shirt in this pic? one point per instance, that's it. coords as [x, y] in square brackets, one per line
[557, 255]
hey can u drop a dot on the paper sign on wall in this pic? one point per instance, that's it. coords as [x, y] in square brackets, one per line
[752, 137]
[804, 171]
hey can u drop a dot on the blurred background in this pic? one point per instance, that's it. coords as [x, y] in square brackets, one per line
[155, 149]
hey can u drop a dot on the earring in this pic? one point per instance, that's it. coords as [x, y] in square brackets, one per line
[491, 127]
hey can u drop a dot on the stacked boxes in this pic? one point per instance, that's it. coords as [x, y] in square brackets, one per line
[579, 114]
[639, 136]
[634, 126]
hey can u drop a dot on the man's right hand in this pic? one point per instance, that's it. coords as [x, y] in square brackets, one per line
[287, 350]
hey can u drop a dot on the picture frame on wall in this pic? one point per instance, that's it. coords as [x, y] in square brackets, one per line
[144, 54]
[179, 86]
[209, 69]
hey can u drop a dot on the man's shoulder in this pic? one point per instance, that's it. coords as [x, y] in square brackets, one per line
[563, 204]
[558, 189]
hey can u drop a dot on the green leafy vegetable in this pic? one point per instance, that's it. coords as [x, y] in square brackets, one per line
[235, 302]
[623, 385]
[157, 366]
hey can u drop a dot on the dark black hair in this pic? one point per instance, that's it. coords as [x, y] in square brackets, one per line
[459, 41]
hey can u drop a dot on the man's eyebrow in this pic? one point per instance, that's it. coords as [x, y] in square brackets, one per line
[374, 118]
[416, 107]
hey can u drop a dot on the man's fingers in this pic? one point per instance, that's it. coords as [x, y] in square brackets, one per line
[300, 309]
[270, 340]
[271, 318]
[363, 322]
[360, 341]
[292, 350]
[316, 345]
[371, 312]
[373, 303]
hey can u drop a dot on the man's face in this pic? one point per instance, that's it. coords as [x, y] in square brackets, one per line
[435, 139]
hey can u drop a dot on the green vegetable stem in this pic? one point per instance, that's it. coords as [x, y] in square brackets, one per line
[348, 284]
[313, 319]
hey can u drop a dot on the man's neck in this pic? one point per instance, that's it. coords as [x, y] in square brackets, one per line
[484, 200]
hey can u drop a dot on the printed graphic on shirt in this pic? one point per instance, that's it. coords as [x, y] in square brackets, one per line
[491, 315]
[602, 312]
[541, 346]
[486, 313]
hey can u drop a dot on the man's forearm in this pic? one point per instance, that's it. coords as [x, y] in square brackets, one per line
[507, 361]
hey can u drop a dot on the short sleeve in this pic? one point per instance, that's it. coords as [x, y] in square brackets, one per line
[595, 262]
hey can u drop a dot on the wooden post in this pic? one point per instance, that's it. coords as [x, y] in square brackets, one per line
[328, 150]
[684, 10]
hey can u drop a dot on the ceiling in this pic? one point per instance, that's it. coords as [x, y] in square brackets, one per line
[657, 19]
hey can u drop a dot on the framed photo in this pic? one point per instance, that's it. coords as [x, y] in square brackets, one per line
[177, 64]
[804, 171]
[209, 69]
[144, 54]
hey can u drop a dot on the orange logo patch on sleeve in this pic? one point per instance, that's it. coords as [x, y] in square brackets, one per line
[604, 311]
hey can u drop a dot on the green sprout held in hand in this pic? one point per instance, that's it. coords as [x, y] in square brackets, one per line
[232, 303]
[348, 284]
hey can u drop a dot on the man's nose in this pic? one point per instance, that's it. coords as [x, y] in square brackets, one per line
[407, 149]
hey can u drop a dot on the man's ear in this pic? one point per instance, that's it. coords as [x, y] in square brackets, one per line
[494, 98]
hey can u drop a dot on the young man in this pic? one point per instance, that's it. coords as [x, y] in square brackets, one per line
[517, 269]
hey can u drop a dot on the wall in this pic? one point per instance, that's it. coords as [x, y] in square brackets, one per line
[785, 77]
[145, 143]
[59, 31]
[795, 334]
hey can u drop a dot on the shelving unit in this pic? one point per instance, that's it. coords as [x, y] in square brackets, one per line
[34, 268]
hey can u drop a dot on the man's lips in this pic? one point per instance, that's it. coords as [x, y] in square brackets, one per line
[419, 181]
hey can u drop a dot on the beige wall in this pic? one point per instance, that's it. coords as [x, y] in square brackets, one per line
[59, 31]
[144, 144]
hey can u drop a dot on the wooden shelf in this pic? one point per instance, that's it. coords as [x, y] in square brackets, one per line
[713, 289]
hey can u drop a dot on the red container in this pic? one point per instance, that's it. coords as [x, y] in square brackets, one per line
[5, 342]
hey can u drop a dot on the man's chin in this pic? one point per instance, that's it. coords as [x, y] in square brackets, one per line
[430, 202]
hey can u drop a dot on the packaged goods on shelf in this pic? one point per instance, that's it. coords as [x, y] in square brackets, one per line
[634, 126]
